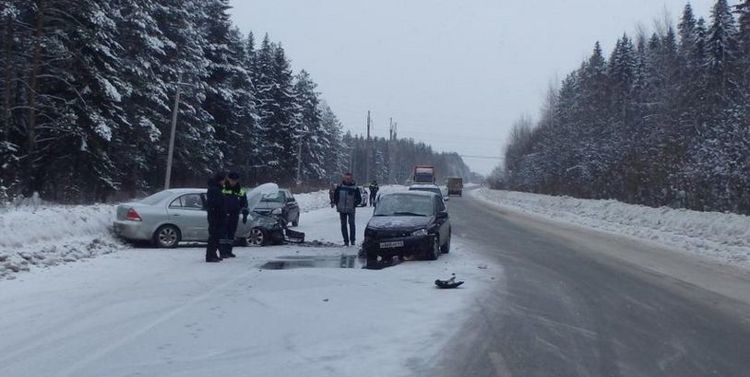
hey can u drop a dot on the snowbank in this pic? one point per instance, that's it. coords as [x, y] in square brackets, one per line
[723, 237]
[41, 234]
[51, 235]
[313, 200]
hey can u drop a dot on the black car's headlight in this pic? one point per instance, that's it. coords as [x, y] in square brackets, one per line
[419, 233]
[369, 232]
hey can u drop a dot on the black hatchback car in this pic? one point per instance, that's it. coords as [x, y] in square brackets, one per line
[408, 223]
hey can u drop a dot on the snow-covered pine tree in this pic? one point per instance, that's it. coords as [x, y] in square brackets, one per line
[722, 50]
[337, 156]
[75, 99]
[314, 140]
[148, 103]
[278, 112]
[186, 66]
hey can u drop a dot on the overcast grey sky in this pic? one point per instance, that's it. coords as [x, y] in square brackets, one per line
[452, 73]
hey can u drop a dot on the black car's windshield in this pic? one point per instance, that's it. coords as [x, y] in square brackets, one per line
[276, 197]
[404, 205]
[156, 198]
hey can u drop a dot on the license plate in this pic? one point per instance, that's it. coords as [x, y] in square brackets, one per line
[391, 245]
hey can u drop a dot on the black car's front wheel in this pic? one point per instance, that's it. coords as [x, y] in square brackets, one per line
[256, 237]
[434, 252]
[447, 247]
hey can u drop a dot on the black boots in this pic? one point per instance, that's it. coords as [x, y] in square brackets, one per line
[212, 259]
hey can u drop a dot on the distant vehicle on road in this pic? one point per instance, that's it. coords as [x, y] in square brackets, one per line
[424, 174]
[282, 204]
[171, 216]
[455, 186]
[408, 223]
[429, 188]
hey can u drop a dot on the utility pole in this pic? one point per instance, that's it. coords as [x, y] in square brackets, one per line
[368, 125]
[367, 149]
[170, 153]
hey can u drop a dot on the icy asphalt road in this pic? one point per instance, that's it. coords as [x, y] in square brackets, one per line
[575, 302]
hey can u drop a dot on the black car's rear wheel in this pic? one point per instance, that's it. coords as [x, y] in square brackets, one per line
[167, 236]
[434, 252]
[257, 237]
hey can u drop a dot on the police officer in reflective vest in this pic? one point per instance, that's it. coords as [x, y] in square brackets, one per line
[235, 202]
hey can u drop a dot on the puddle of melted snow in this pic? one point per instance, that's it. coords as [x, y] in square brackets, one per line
[299, 261]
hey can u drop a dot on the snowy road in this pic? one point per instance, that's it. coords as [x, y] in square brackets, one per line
[542, 298]
[576, 302]
[166, 313]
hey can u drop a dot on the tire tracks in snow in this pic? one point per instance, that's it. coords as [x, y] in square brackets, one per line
[83, 362]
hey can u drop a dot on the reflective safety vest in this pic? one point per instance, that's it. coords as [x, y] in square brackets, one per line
[234, 200]
[240, 193]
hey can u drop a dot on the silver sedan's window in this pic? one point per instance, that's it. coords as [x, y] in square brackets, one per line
[189, 201]
[177, 203]
[156, 198]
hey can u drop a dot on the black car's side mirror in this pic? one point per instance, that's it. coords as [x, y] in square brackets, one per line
[442, 215]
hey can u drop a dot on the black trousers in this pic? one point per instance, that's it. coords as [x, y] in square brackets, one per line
[227, 240]
[351, 233]
[215, 234]
[372, 199]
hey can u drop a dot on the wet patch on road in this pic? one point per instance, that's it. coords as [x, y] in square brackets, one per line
[301, 261]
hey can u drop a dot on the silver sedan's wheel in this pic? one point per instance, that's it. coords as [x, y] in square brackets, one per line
[167, 236]
[257, 237]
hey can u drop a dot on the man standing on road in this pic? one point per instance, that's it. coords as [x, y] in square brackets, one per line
[214, 206]
[347, 197]
[374, 188]
[235, 201]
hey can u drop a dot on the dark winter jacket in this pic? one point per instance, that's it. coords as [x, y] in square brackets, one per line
[235, 200]
[374, 188]
[214, 203]
[347, 197]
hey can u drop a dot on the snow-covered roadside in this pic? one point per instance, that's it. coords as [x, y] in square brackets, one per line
[314, 200]
[49, 235]
[722, 237]
[46, 234]
[167, 313]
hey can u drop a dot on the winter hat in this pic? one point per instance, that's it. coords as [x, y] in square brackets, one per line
[233, 175]
[219, 177]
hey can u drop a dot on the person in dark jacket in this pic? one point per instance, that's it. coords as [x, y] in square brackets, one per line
[346, 198]
[214, 206]
[235, 202]
[374, 188]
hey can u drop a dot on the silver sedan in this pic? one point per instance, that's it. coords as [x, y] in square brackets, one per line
[171, 216]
